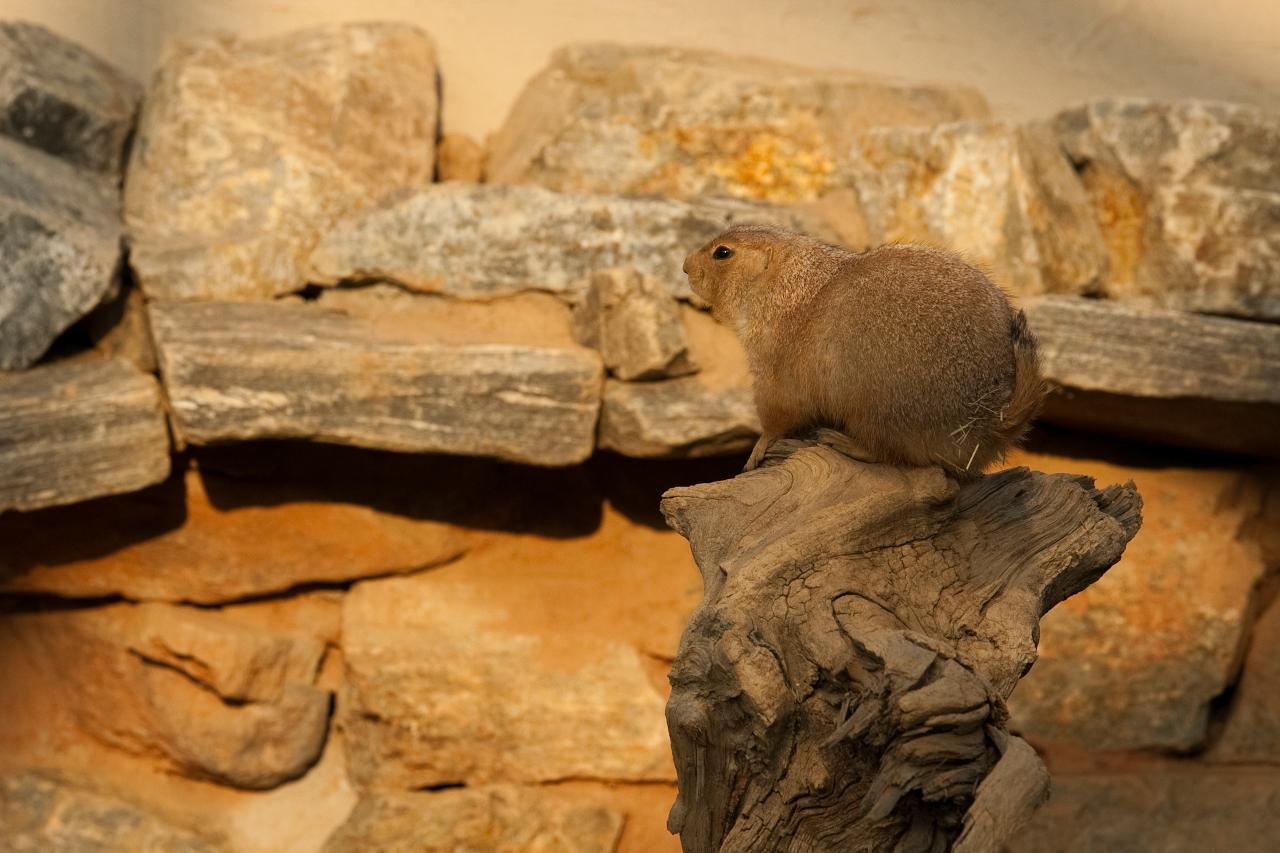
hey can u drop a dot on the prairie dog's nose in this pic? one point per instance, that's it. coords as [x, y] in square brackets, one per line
[685, 268]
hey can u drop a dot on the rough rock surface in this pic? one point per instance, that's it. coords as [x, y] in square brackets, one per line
[634, 321]
[439, 692]
[1252, 732]
[121, 682]
[208, 539]
[1134, 661]
[494, 818]
[483, 241]
[70, 432]
[709, 414]
[615, 118]
[1160, 375]
[459, 158]
[1188, 197]
[40, 813]
[60, 244]
[1172, 810]
[228, 191]
[1002, 195]
[237, 371]
[62, 99]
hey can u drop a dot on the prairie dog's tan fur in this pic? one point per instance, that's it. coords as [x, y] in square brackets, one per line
[910, 351]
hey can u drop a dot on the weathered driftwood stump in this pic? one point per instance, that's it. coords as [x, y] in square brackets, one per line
[842, 685]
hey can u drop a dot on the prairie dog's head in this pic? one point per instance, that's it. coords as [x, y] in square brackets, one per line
[728, 270]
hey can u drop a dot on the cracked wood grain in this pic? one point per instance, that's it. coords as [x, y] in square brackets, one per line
[842, 684]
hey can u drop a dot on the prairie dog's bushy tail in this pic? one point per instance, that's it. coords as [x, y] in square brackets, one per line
[1028, 386]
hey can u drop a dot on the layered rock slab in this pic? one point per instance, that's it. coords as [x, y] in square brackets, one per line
[1135, 661]
[1161, 375]
[238, 371]
[209, 539]
[481, 241]
[493, 818]
[60, 98]
[615, 118]
[227, 191]
[1187, 194]
[74, 431]
[60, 241]
[38, 812]
[439, 691]
[1002, 195]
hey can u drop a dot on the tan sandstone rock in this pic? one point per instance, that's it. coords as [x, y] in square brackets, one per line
[441, 691]
[1134, 661]
[1188, 197]
[684, 123]
[1002, 195]
[492, 818]
[247, 150]
[459, 158]
[1252, 731]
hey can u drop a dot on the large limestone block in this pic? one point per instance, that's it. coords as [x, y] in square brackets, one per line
[711, 413]
[247, 150]
[479, 241]
[64, 100]
[492, 818]
[1188, 197]
[1171, 809]
[238, 371]
[188, 688]
[70, 432]
[59, 247]
[1135, 661]
[1002, 195]
[615, 118]
[210, 539]
[41, 813]
[1160, 375]
[439, 691]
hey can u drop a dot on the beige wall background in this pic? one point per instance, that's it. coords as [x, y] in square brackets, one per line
[1030, 57]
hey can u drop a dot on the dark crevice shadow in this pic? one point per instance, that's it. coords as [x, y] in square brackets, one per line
[468, 492]
[91, 529]
[1132, 453]
[634, 487]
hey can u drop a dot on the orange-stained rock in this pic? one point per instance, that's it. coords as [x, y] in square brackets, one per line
[459, 158]
[1252, 732]
[232, 539]
[1135, 660]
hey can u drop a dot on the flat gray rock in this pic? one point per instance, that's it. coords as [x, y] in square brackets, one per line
[677, 418]
[481, 241]
[74, 431]
[64, 100]
[59, 247]
[242, 371]
[1188, 197]
[1162, 375]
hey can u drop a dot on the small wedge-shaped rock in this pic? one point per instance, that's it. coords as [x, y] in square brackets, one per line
[634, 321]
[70, 432]
[248, 150]
[1004, 196]
[677, 418]
[1188, 197]
[239, 371]
[64, 100]
[615, 118]
[1162, 375]
[59, 247]
[472, 240]
[492, 818]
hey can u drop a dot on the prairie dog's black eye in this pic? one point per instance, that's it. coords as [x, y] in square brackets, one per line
[722, 252]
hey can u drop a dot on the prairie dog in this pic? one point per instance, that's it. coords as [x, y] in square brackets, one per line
[910, 351]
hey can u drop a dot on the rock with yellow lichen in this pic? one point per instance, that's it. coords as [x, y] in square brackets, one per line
[1187, 194]
[613, 118]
